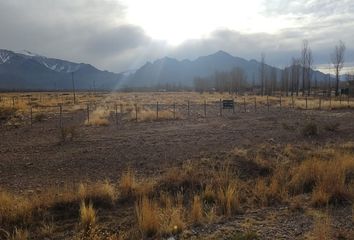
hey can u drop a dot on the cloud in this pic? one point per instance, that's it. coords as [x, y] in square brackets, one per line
[97, 32]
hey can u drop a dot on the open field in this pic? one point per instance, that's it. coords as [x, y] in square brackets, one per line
[111, 167]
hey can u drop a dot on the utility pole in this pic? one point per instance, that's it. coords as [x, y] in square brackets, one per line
[72, 79]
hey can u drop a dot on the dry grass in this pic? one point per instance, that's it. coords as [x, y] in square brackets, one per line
[197, 210]
[227, 198]
[322, 228]
[100, 192]
[98, 118]
[87, 215]
[147, 212]
[14, 209]
[326, 179]
[127, 184]
[20, 234]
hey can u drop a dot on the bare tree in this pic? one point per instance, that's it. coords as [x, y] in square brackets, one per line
[337, 59]
[262, 73]
[303, 63]
[309, 64]
[306, 63]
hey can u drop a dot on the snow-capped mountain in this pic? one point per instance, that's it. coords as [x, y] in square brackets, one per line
[27, 70]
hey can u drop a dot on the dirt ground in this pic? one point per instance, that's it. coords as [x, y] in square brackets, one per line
[34, 157]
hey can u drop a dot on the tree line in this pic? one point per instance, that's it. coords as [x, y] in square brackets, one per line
[297, 78]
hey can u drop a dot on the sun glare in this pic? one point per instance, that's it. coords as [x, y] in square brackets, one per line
[177, 21]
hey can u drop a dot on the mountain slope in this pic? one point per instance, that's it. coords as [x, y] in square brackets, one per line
[26, 71]
[171, 71]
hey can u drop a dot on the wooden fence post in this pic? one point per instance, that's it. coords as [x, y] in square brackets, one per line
[31, 115]
[188, 108]
[330, 102]
[292, 101]
[174, 110]
[60, 116]
[116, 109]
[255, 104]
[268, 103]
[136, 112]
[220, 105]
[157, 110]
[340, 99]
[13, 102]
[244, 104]
[306, 102]
[233, 105]
[88, 113]
[205, 108]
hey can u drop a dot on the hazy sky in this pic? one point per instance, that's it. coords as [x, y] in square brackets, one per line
[120, 35]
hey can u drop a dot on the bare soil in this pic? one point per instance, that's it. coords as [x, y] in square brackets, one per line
[33, 158]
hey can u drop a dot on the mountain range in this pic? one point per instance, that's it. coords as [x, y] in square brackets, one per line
[27, 71]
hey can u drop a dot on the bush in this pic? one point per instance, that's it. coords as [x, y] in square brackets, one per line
[6, 113]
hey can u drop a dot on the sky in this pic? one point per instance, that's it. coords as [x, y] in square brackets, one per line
[120, 35]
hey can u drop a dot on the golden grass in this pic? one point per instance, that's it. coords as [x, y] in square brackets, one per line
[87, 215]
[98, 118]
[322, 228]
[196, 213]
[227, 198]
[14, 209]
[103, 192]
[127, 184]
[147, 213]
[20, 234]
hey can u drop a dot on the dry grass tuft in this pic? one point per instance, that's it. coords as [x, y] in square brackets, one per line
[197, 210]
[322, 229]
[100, 193]
[14, 209]
[20, 234]
[99, 117]
[227, 198]
[127, 184]
[147, 212]
[87, 215]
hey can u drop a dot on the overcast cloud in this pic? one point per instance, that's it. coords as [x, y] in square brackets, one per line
[97, 32]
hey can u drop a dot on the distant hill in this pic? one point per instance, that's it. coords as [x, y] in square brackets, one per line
[171, 71]
[26, 71]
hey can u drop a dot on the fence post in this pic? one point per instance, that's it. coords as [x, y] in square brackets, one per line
[136, 112]
[157, 110]
[268, 103]
[233, 105]
[60, 116]
[88, 113]
[255, 104]
[330, 102]
[205, 108]
[31, 115]
[340, 99]
[319, 103]
[348, 102]
[292, 101]
[244, 104]
[174, 110]
[121, 108]
[13, 102]
[116, 109]
[220, 105]
[280, 102]
[306, 102]
[188, 108]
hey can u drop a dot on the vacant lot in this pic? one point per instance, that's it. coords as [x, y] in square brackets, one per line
[282, 173]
